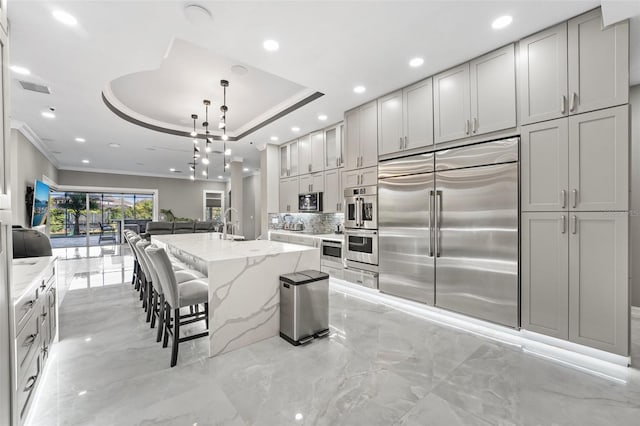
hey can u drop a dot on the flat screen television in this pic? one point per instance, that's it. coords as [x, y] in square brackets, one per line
[40, 211]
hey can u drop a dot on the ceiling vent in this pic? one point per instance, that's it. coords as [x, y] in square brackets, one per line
[35, 87]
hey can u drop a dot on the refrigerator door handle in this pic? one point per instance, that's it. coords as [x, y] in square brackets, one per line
[431, 196]
[438, 223]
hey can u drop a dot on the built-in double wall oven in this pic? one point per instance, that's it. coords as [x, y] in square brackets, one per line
[361, 235]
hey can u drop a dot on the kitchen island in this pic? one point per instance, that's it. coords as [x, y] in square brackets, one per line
[244, 286]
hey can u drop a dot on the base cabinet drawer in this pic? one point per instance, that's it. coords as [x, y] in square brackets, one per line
[279, 237]
[27, 385]
[364, 278]
[27, 342]
[25, 307]
[333, 271]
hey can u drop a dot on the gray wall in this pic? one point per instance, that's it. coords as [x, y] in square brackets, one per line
[182, 196]
[27, 165]
[634, 100]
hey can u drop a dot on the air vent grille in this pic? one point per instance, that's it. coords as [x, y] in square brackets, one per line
[35, 87]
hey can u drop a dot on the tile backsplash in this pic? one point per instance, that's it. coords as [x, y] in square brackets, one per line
[317, 223]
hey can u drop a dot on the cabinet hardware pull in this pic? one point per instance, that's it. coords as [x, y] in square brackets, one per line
[564, 224]
[400, 143]
[475, 124]
[309, 167]
[466, 127]
[563, 195]
[28, 305]
[406, 142]
[563, 103]
[31, 381]
[574, 194]
[575, 224]
[573, 102]
[29, 340]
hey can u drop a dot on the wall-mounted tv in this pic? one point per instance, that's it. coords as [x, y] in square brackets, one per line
[40, 204]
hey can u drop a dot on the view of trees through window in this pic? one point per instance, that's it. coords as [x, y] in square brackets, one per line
[104, 217]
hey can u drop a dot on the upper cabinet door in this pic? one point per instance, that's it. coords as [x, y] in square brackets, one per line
[369, 134]
[317, 151]
[284, 161]
[293, 159]
[493, 91]
[598, 63]
[304, 154]
[542, 74]
[545, 159]
[451, 110]
[331, 148]
[3, 15]
[352, 139]
[332, 191]
[599, 280]
[390, 133]
[418, 114]
[599, 160]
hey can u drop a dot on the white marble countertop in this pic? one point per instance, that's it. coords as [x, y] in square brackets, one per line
[28, 271]
[332, 237]
[210, 248]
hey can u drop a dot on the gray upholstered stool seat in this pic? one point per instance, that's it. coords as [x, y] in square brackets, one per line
[193, 292]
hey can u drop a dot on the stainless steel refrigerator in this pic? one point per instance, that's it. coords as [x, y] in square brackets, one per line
[448, 229]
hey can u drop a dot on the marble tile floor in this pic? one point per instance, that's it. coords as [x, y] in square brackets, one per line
[378, 367]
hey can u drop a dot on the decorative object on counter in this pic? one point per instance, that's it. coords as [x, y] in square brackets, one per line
[313, 223]
[338, 229]
[30, 243]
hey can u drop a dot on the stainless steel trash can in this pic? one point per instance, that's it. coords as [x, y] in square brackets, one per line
[304, 306]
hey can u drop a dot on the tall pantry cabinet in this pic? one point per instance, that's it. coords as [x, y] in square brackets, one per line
[575, 151]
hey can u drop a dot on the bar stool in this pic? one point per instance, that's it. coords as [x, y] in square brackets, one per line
[156, 292]
[127, 237]
[188, 294]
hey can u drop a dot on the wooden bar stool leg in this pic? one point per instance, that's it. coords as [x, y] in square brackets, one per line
[206, 315]
[154, 308]
[176, 337]
[167, 325]
[160, 319]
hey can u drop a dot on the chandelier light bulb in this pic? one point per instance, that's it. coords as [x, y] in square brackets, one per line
[222, 125]
[225, 137]
[194, 134]
[226, 166]
[204, 173]
[195, 141]
[208, 149]
[227, 151]
[192, 177]
[205, 161]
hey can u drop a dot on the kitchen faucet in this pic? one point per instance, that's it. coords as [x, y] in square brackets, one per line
[224, 222]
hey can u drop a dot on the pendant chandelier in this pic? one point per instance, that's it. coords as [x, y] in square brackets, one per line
[198, 158]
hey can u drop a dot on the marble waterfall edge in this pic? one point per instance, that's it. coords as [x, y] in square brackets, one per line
[244, 297]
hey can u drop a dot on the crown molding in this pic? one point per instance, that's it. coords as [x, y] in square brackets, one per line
[183, 176]
[35, 140]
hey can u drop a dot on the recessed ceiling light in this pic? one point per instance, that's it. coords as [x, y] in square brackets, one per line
[82, 393]
[194, 134]
[86, 161]
[239, 69]
[20, 70]
[246, 169]
[271, 45]
[227, 151]
[81, 140]
[224, 137]
[192, 177]
[416, 62]
[205, 161]
[219, 177]
[274, 138]
[501, 22]
[172, 169]
[359, 89]
[48, 114]
[65, 17]
[295, 129]
[322, 117]
[114, 145]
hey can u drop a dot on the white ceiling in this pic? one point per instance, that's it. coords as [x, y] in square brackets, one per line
[325, 46]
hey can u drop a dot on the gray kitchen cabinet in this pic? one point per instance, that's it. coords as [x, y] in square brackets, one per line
[289, 159]
[363, 177]
[390, 131]
[333, 196]
[542, 75]
[599, 280]
[493, 91]
[334, 148]
[361, 136]
[289, 195]
[544, 159]
[405, 118]
[598, 63]
[451, 104]
[304, 154]
[311, 183]
[317, 151]
[599, 160]
[545, 273]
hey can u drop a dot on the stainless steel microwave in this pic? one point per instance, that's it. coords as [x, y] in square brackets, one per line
[311, 202]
